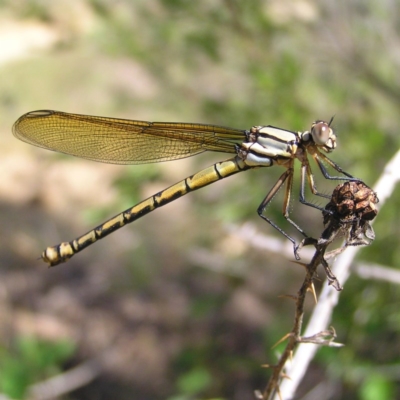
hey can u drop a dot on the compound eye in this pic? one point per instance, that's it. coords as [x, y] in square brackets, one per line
[321, 133]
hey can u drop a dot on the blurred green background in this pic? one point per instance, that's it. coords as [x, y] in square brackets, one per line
[179, 305]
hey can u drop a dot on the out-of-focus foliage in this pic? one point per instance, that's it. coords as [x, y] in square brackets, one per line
[189, 310]
[29, 360]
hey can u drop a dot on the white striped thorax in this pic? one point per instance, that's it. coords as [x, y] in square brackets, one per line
[268, 144]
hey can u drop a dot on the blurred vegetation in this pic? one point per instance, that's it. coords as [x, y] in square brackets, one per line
[199, 330]
[29, 360]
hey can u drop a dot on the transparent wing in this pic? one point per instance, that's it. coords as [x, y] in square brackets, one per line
[122, 141]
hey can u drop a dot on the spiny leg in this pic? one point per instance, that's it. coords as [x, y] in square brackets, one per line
[286, 204]
[306, 171]
[319, 157]
[287, 174]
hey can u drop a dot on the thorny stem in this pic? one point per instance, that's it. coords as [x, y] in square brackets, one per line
[294, 336]
[352, 207]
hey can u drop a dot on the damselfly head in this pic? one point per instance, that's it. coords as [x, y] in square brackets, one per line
[322, 135]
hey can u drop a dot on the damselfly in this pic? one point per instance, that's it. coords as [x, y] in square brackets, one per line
[123, 141]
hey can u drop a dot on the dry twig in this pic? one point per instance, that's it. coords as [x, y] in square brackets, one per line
[348, 214]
